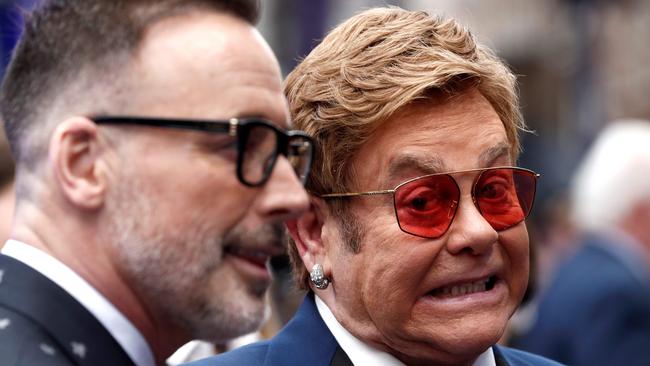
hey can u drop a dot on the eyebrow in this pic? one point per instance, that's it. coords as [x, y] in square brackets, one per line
[434, 164]
[489, 156]
[427, 165]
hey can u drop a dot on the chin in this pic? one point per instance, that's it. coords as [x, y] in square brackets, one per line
[456, 345]
[221, 324]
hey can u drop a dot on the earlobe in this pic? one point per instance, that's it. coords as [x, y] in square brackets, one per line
[74, 157]
[306, 232]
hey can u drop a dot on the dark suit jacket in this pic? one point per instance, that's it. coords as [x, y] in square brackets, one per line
[595, 312]
[306, 341]
[41, 324]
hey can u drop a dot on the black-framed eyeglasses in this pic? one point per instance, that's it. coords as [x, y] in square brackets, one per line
[425, 206]
[259, 143]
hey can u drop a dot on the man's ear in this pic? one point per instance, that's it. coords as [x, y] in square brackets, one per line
[306, 232]
[74, 153]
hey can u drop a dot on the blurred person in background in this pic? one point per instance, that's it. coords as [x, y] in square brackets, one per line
[154, 169]
[414, 250]
[596, 310]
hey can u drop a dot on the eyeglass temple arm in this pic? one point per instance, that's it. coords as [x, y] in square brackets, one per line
[353, 194]
[229, 126]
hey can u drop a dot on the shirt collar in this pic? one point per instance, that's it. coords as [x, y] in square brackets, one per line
[124, 332]
[362, 354]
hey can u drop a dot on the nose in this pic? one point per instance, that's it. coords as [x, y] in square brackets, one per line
[283, 196]
[470, 232]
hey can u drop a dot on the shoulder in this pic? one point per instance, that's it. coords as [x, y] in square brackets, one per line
[23, 342]
[514, 357]
[614, 278]
[252, 354]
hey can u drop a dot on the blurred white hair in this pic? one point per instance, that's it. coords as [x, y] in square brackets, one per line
[614, 175]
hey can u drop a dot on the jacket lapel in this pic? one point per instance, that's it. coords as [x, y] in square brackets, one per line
[499, 357]
[79, 334]
[341, 358]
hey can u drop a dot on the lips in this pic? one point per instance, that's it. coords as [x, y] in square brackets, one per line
[465, 288]
[258, 257]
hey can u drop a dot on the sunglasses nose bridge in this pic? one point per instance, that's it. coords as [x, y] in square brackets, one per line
[455, 204]
[472, 222]
[452, 210]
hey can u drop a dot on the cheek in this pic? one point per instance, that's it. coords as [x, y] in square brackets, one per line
[385, 278]
[515, 244]
[393, 278]
[192, 197]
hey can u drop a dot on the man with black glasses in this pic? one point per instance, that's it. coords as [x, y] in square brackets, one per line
[154, 169]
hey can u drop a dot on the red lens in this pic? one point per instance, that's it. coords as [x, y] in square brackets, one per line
[426, 206]
[505, 196]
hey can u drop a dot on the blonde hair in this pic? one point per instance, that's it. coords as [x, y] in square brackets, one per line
[371, 66]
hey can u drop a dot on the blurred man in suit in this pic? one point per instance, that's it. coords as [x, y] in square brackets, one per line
[596, 311]
[154, 166]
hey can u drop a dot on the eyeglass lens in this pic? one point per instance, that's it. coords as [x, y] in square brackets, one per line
[426, 206]
[259, 154]
[261, 149]
[300, 153]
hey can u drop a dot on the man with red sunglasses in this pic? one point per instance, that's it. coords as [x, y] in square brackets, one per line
[414, 250]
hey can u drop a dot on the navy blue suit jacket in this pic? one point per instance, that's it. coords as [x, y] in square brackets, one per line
[41, 324]
[307, 341]
[595, 312]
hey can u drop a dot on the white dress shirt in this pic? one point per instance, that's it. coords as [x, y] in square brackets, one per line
[112, 319]
[362, 354]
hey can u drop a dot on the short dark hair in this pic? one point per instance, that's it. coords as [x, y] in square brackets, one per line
[63, 37]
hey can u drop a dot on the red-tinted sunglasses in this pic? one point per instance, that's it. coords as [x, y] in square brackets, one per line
[425, 206]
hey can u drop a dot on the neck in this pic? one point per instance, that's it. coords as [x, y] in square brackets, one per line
[81, 249]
